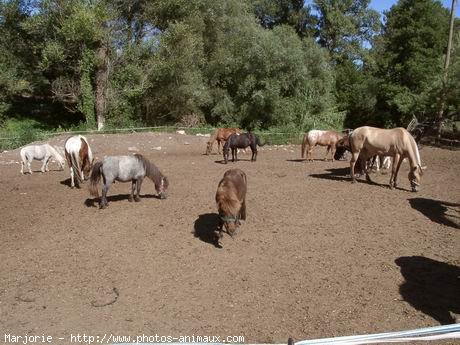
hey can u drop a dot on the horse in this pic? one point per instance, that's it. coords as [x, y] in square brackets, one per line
[241, 141]
[40, 153]
[231, 201]
[221, 135]
[79, 157]
[124, 169]
[322, 138]
[378, 161]
[396, 142]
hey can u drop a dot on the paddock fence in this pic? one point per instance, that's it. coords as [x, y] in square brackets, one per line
[428, 334]
[268, 137]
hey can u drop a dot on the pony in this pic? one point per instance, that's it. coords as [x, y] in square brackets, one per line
[40, 153]
[79, 157]
[124, 169]
[221, 135]
[241, 141]
[322, 138]
[397, 142]
[231, 201]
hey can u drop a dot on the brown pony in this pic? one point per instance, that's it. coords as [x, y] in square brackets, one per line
[322, 138]
[221, 135]
[397, 142]
[231, 201]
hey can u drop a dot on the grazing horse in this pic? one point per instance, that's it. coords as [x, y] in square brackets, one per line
[241, 141]
[124, 169]
[79, 157]
[221, 135]
[396, 142]
[231, 201]
[40, 153]
[322, 138]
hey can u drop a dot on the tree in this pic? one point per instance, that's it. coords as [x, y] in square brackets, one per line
[410, 65]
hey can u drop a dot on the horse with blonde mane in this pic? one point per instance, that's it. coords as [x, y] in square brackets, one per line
[322, 138]
[80, 158]
[40, 153]
[231, 201]
[366, 142]
[221, 135]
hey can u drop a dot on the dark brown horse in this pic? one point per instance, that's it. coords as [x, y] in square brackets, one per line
[231, 201]
[322, 138]
[220, 135]
[241, 141]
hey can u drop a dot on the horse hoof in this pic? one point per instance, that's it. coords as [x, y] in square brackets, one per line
[130, 199]
[137, 199]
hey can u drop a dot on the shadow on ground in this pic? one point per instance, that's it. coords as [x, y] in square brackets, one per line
[431, 286]
[441, 212]
[205, 228]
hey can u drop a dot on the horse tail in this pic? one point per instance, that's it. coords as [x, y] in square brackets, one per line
[95, 178]
[304, 145]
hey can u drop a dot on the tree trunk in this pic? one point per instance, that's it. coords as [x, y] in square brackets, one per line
[102, 74]
[442, 102]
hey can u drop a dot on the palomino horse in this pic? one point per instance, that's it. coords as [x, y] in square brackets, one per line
[241, 141]
[79, 157]
[322, 138]
[231, 201]
[124, 169]
[221, 135]
[396, 142]
[40, 153]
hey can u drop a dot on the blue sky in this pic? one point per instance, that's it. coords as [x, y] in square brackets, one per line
[383, 5]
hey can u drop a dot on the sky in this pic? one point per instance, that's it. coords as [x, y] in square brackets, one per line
[383, 5]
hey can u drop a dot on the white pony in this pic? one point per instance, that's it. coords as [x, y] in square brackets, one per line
[80, 158]
[40, 153]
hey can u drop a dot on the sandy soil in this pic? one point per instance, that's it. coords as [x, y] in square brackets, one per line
[317, 256]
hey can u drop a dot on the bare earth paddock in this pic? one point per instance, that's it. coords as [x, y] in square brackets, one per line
[317, 256]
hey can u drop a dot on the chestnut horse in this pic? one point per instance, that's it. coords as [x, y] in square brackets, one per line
[231, 201]
[221, 135]
[322, 138]
[79, 157]
[397, 142]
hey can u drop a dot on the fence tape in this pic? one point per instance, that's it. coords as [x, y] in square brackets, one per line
[422, 334]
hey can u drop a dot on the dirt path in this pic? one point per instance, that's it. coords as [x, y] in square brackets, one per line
[317, 256]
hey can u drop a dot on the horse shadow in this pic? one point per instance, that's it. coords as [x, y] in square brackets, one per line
[94, 202]
[336, 174]
[431, 286]
[205, 228]
[437, 211]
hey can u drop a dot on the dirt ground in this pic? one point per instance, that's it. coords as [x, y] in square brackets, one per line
[317, 256]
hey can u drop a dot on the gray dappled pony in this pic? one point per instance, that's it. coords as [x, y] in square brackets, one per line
[124, 169]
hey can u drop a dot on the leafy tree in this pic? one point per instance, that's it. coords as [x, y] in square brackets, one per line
[411, 60]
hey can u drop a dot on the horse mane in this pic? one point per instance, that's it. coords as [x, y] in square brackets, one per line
[227, 199]
[151, 170]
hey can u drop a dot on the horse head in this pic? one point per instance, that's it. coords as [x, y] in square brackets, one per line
[230, 222]
[162, 188]
[415, 175]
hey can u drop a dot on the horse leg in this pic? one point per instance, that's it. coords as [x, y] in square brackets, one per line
[309, 153]
[218, 146]
[137, 198]
[333, 149]
[72, 179]
[327, 152]
[133, 187]
[255, 153]
[103, 202]
[394, 170]
[29, 165]
[354, 158]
